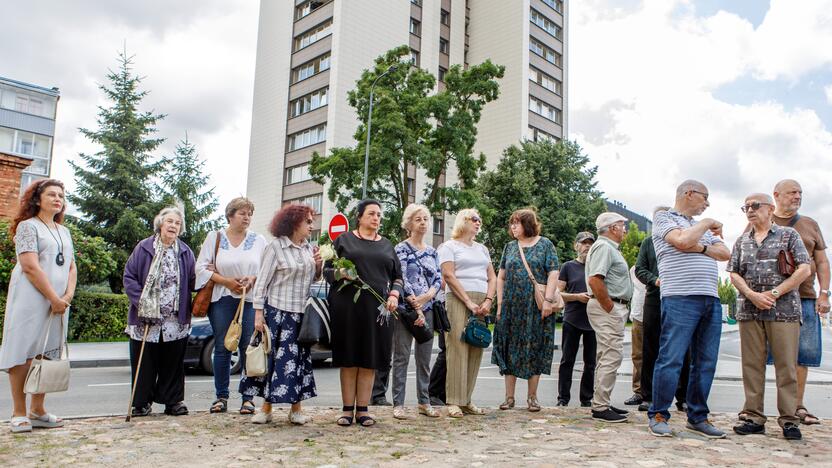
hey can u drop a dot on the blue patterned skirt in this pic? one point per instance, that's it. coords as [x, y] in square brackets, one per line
[290, 378]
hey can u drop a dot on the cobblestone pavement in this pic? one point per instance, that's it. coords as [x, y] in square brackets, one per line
[554, 437]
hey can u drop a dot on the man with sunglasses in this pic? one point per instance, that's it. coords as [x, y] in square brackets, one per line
[687, 252]
[769, 313]
[788, 196]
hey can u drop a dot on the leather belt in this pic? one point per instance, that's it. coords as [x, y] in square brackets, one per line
[615, 299]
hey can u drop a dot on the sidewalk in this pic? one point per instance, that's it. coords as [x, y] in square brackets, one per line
[554, 437]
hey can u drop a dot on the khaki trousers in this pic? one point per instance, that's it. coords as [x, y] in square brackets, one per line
[782, 338]
[463, 360]
[609, 333]
[636, 355]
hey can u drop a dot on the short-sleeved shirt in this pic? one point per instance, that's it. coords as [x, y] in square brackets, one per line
[574, 312]
[758, 265]
[683, 273]
[605, 259]
[639, 293]
[813, 241]
[470, 263]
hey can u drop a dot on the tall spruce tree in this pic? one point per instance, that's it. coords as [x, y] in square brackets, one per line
[115, 189]
[185, 184]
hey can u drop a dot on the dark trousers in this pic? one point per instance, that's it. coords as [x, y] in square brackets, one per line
[162, 374]
[382, 381]
[436, 390]
[571, 339]
[652, 331]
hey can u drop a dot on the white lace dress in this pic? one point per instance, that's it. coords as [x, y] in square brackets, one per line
[27, 310]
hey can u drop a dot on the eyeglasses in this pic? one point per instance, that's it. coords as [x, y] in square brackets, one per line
[704, 195]
[475, 219]
[310, 221]
[753, 206]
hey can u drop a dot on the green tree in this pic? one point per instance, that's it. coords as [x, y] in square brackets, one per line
[413, 128]
[115, 190]
[555, 179]
[185, 185]
[631, 243]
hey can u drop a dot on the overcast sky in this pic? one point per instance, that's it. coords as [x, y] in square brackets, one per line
[736, 93]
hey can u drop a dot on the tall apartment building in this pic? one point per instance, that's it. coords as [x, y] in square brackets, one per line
[311, 52]
[27, 125]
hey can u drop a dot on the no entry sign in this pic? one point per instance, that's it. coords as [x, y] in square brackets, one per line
[337, 226]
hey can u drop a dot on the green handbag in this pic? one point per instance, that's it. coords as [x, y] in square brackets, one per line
[476, 332]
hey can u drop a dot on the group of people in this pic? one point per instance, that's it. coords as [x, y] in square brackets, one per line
[676, 312]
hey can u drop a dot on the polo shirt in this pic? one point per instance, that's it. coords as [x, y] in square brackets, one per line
[605, 259]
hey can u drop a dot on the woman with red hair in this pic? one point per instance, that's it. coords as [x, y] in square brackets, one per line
[289, 265]
[41, 286]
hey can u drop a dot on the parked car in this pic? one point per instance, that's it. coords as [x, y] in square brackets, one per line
[199, 353]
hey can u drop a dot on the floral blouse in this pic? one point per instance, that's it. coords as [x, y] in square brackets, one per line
[420, 271]
[170, 329]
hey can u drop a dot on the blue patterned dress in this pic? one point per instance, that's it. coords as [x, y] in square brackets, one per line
[524, 343]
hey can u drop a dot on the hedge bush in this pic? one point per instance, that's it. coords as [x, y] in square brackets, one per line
[93, 317]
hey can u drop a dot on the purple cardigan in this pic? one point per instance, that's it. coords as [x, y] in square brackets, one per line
[135, 274]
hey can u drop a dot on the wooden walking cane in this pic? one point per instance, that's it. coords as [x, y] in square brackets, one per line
[136, 377]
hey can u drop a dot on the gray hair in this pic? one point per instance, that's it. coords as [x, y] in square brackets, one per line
[689, 185]
[157, 221]
[604, 229]
[411, 211]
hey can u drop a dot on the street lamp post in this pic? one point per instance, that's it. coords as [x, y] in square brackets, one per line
[369, 127]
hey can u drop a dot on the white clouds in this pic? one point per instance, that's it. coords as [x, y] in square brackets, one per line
[828, 91]
[642, 103]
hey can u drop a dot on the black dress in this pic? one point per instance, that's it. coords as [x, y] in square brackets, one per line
[358, 339]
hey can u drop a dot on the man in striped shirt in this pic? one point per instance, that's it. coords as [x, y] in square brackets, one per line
[687, 252]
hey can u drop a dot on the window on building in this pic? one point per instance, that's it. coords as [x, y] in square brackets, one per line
[415, 27]
[552, 84]
[315, 201]
[38, 147]
[438, 226]
[306, 8]
[309, 102]
[315, 236]
[411, 186]
[310, 68]
[441, 74]
[548, 54]
[313, 35]
[445, 17]
[557, 5]
[535, 134]
[414, 57]
[544, 23]
[416, 2]
[308, 137]
[22, 102]
[541, 108]
[297, 174]
[444, 46]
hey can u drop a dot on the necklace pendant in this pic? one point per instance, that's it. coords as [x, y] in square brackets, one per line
[59, 259]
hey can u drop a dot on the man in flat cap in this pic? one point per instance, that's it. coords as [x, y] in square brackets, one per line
[687, 251]
[608, 281]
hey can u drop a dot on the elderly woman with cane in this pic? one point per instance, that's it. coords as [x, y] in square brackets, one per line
[158, 279]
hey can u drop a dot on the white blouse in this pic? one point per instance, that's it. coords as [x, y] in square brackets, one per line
[231, 262]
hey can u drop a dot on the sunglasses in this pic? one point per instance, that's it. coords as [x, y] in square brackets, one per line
[753, 206]
[704, 195]
[475, 219]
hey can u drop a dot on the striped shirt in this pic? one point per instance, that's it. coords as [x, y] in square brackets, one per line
[286, 274]
[683, 273]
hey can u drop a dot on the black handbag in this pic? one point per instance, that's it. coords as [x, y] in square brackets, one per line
[315, 328]
[422, 334]
[441, 323]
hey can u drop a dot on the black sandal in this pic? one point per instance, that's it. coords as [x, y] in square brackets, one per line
[176, 409]
[220, 405]
[346, 420]
[247, 407]
[139, 411]
[364, 421]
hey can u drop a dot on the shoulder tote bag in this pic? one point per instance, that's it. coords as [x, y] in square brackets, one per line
[203, 297]
[476, 332]
[539, 289]
[235, 330]
[48, 375]
[257, 357]
[315, 328]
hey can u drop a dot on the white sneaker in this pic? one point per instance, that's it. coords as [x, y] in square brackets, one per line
[262, 417]
[298, 418]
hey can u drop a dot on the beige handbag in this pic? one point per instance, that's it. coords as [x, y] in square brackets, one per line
[540, 289]
[47, 375]
[257, 357]
[235, 329]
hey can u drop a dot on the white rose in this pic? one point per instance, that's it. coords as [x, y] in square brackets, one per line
[327, 252]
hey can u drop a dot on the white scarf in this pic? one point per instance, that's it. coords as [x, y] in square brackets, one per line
[149, 301]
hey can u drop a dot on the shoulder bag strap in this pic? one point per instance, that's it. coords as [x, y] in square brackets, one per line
[526, 264]
[794, 220]
[216, 249]
[240, 307]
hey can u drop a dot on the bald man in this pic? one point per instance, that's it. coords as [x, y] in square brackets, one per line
[687, 251]
[769, 313]
[788, 196]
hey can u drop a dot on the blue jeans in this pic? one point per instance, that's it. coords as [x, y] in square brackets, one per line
[688, 322]
[810, 347]
[220, 315]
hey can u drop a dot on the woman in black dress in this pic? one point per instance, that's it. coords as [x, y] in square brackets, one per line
[360, 338]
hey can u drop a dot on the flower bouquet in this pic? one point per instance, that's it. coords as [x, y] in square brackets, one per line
[344, 270]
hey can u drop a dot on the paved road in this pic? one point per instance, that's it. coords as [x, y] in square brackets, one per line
[96, 391]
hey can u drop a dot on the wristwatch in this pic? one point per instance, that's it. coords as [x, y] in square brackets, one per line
[826, 292]
[775, 293]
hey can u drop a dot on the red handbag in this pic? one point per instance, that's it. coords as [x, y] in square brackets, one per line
[202, 301]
